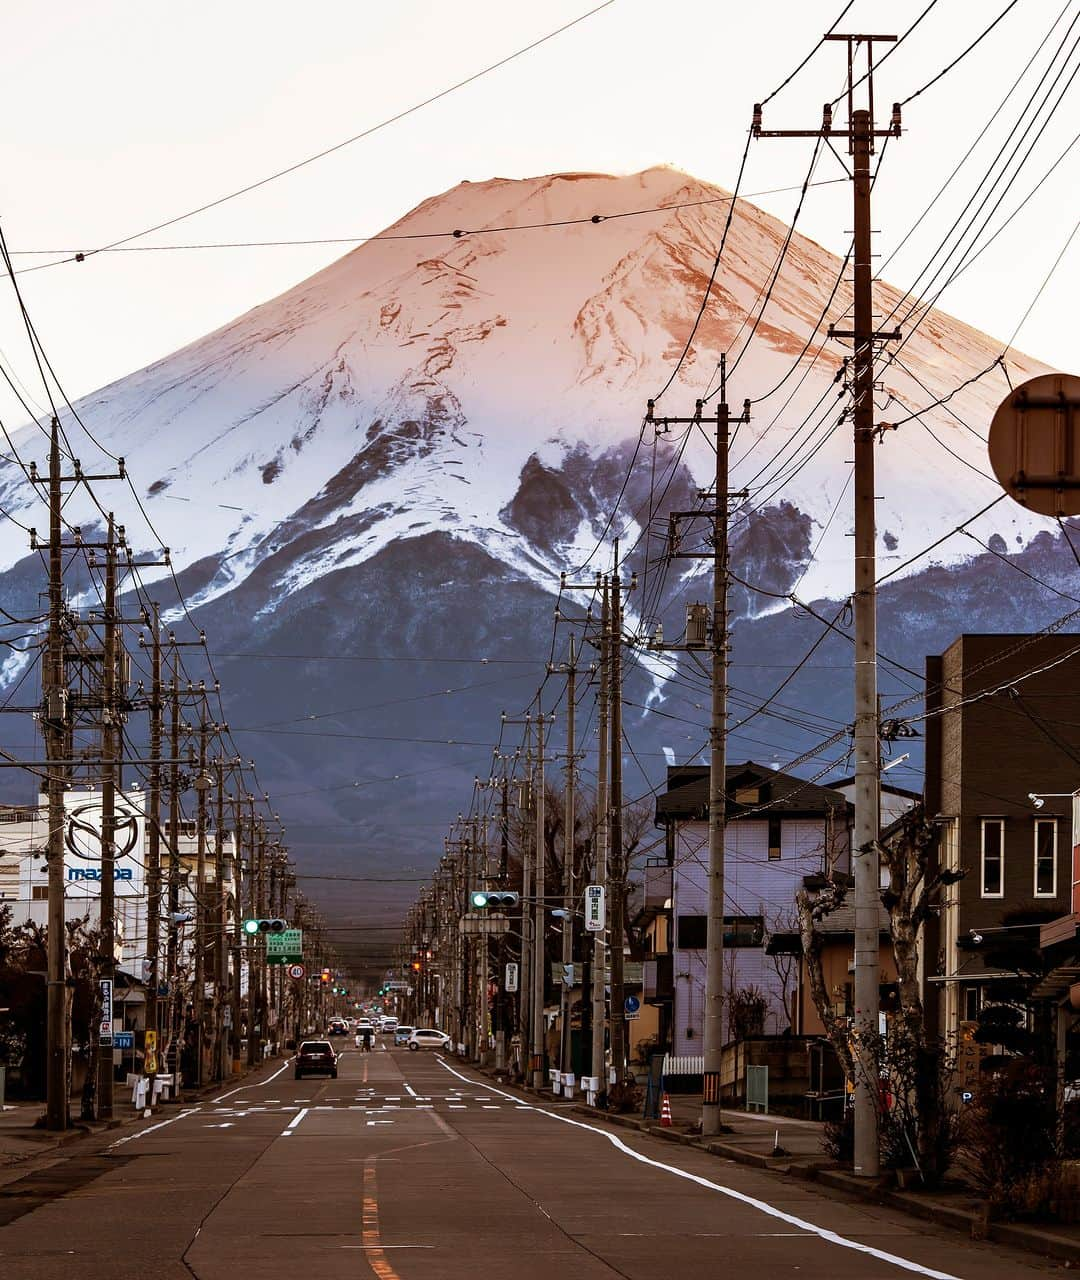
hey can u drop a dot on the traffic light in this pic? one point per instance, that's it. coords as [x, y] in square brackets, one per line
[416, 966]
[325, 976]
[252, 927]
[497, 899]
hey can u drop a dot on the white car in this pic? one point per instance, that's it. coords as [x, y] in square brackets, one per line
[427, 1038]
[388, 1024]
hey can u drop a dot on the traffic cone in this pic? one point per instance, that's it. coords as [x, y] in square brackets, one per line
[665, 1111]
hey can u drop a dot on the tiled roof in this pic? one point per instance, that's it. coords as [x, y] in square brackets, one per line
[687, 795]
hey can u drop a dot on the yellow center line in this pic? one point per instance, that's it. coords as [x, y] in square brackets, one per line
[369, 1235]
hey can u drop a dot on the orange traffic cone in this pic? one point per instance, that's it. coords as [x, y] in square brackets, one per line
[665, 1111]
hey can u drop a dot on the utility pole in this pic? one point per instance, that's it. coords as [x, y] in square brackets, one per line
[539, 915]
[221, 922]
[860, 134]
[153, 853]
[717, 640]
[569, 821]
[202, 784]
[172, 964]
[109, 721]
[55, 715]
[616, 870]
[600, 950]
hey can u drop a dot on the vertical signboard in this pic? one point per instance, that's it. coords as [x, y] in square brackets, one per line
[511, 983]
[105, 1028]
[595, 908]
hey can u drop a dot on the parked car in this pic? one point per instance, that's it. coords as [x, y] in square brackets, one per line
[402, 1034]
[315, 1056]
[427, 1038]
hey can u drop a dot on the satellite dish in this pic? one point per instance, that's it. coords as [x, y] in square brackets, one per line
[1035, 444]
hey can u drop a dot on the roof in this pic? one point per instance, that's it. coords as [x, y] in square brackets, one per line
[687, 794]
[842, 920]
[891, 787]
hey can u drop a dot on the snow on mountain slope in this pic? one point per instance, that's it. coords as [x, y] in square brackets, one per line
[422, 384]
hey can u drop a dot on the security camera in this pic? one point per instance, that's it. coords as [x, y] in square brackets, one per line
[1036, 800]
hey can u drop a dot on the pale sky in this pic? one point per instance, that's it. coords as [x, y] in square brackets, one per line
[121, 114]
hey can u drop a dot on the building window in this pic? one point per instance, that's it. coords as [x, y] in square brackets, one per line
[39, 893]
[775, 829]
[744, 931]
[971, 1004]
[1046, 857]
[692, 933]
[739, 931]
[993, 857]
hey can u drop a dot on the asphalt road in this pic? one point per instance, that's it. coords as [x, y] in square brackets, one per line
[409, 1165]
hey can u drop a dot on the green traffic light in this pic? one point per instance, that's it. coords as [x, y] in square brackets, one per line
[478, 898]
[251, 926]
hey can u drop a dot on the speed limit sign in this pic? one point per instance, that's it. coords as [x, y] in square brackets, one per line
[296, 971]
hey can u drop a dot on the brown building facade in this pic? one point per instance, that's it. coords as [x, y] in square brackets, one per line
[1002, 759]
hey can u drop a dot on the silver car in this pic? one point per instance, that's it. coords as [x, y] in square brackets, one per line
[427, 1038]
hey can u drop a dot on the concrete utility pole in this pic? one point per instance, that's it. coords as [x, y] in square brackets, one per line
[569, 822]
[153, 852]
[599, 973]
[199, 1000]
[716, 637]
[109, 722]
[539, 917]
[54, 692]
[616, 870]
[171, 947]
[524, 1025]
[221, 923]
[860, 134]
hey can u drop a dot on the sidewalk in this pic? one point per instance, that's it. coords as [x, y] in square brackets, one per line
[22, 1142]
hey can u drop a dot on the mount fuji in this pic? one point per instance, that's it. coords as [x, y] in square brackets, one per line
[371, 484]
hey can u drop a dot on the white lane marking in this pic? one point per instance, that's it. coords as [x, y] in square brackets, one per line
[410, 1090]
[225, 1124]
[823, 1233]
[150, 1129]
[371, 1122]
[490, 1106]
[294, 1122]
[222, 1096]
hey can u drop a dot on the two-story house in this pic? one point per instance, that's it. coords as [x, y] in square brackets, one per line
[1002, 759]
[780, 829]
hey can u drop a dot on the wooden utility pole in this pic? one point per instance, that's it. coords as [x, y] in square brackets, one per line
[859, 132]
[539, 916]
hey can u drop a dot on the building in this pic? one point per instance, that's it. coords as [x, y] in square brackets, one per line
[780, 829]
[24, 877]
[1002, 761]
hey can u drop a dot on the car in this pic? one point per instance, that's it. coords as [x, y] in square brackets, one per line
[402, 1034]
[315, 1056]
[336, 1027]
[387, 1024]
[427, 1038]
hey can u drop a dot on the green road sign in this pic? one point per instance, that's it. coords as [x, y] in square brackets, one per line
[286, 947]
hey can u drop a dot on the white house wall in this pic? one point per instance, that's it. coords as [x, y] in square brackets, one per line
[753, 886]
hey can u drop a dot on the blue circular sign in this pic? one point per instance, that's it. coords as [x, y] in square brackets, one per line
[632, 1004]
